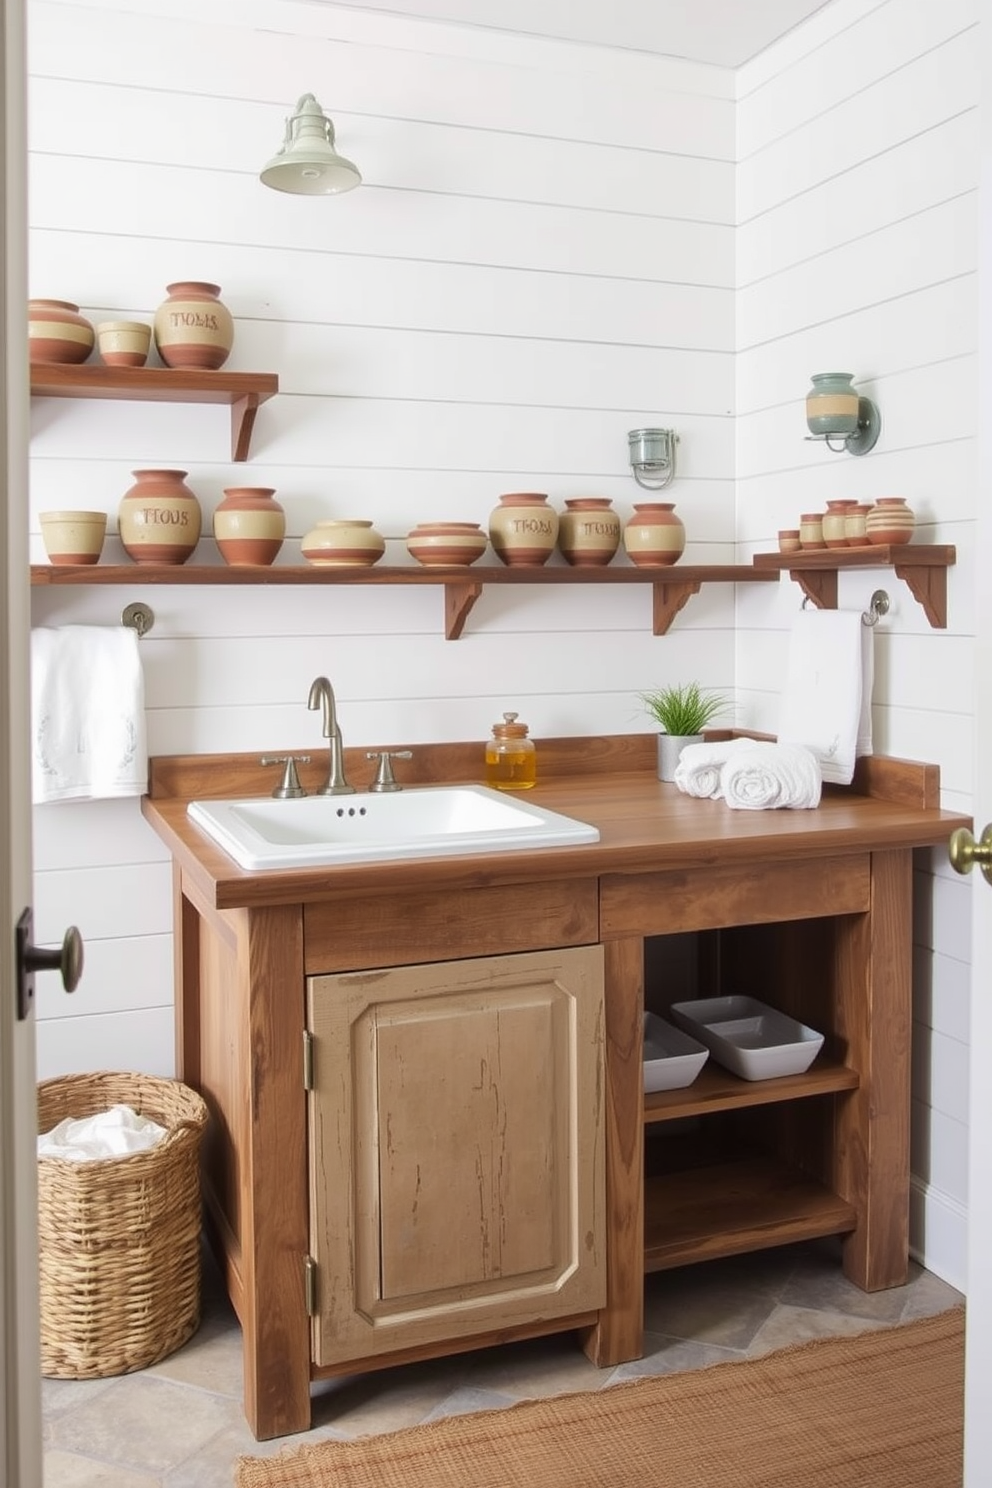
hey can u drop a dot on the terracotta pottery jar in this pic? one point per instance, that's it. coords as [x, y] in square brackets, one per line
[436, 544]
[855, 524]
[788, 540]
[249, 526]
[58, 333]
[588, 531]
[890, 521]
[654, 536]
[193, 330]
[72, 537]
[835, 523]
[159, 518]
[124, 343]
[345, 542]
[811, 530]
[523, 529]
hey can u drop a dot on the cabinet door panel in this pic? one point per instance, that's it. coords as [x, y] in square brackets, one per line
[456, 1148]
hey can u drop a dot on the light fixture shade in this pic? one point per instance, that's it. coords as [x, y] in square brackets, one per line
[306, 163]
[839, 416]
[652, 457]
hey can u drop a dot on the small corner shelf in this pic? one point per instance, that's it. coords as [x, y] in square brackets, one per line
[672, 586]
[242, 391]
[923, 569]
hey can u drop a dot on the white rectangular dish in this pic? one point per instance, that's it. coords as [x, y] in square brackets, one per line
[748, 1037]
[672, 1059]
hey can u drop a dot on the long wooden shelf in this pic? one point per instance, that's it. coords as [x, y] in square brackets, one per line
[730, 1208]
[922, 568]
[672, 587]
[242, 391]
[715, 1089]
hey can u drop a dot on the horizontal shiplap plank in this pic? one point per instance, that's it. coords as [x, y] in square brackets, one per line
[937, 86]
[266, 64]
[846, 65]
[104, 901]
[141, 1041]
[120, 974]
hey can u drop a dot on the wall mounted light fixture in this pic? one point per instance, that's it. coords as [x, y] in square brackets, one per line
[837, 414]
[306, 162]
[652, 457]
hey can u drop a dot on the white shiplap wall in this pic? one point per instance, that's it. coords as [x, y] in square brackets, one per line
[540, 258]
[857, 249]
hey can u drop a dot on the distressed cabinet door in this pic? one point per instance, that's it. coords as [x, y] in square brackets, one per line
[456, 1140]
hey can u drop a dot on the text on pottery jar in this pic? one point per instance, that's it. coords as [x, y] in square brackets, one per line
[155, 516]
[597, 528]
[201, 320]
[540, 525]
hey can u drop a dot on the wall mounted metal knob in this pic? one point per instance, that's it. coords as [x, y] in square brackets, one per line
[964, 852]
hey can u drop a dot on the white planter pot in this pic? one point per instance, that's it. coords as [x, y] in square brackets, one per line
[670, 746]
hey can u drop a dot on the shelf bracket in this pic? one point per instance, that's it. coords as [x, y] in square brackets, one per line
[928, 587]
[669, 598]
[818, 585]
[243, 411]
[459, 597]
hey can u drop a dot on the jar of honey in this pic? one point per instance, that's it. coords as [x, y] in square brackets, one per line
[511, 759]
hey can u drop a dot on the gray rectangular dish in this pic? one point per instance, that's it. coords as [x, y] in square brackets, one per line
[672, 1059]
[748, 1037]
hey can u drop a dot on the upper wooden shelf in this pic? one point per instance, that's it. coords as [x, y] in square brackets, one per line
[672, 586]
[922, 568]
[243, 391]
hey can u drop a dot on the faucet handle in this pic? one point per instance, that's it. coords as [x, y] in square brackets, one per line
[385, 780]
[289, 787]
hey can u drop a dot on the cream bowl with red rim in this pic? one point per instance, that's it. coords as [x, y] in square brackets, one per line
[446, 544]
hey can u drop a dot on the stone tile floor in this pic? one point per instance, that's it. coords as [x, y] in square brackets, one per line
[179, 1424]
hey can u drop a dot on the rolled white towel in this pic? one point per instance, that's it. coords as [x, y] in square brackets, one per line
[698, 770]
[771, 775]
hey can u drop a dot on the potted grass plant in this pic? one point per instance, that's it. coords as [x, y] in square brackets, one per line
[682, 714]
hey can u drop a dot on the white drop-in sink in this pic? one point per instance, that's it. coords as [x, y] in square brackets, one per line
[425, 822]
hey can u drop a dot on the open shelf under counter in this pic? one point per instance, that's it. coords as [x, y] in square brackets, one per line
[734, 1207]
[715, 1089]
[672, 586]
[923, 568]
[243, 392]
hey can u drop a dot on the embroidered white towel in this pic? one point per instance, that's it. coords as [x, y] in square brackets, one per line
[87, 714]
[698, 770]
[767, 776]
[826, 701]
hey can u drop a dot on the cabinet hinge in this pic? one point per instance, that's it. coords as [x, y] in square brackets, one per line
[310, 1285]
[307, 1059]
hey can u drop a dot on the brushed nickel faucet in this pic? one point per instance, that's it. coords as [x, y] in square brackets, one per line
[322, 696]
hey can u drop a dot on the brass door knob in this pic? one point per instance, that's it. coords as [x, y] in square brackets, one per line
[964, 852]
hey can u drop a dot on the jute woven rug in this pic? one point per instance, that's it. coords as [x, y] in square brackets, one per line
[883, 1409]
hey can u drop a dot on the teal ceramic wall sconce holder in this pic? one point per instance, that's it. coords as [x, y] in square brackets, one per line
[838, 415]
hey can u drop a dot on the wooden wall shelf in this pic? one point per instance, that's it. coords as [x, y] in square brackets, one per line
[242, 391]
[672, 587]
[923, 569]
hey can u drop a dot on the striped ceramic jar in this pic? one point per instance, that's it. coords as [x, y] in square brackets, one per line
[890, 521]
[58, 333]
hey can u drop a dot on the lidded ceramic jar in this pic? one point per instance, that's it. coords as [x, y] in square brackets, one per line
[832, 404]
[343, 542]
[654, 536]
[193, 330]
[436, 544]
[811, 530]
[523, 529]
[588, 531]
[57, 333]
[159, 517]
[890, 521]
[249, 526]
[835, 523]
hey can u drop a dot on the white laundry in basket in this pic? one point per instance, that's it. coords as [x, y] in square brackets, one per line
[112, 1133]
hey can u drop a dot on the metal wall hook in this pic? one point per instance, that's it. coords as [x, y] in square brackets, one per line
[878, 606]
[139, 617]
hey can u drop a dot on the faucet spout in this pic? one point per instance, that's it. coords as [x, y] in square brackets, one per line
[322, 697]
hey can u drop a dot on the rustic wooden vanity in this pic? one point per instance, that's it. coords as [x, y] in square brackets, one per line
[429, 1131]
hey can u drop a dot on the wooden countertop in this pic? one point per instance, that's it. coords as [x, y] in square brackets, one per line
[644, 825]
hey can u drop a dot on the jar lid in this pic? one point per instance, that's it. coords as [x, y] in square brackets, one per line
[510, 728]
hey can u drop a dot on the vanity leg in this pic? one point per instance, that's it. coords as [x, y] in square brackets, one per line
[619, 1333]
[874, 1015]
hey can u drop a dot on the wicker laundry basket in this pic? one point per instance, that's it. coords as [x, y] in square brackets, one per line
[119, 1237]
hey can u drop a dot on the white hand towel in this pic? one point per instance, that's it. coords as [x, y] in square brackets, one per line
[771, 776]
[826, 702]
[698, 770]
[87, 714]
